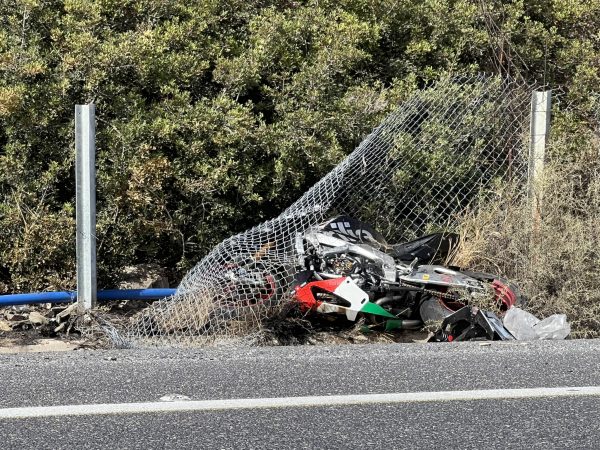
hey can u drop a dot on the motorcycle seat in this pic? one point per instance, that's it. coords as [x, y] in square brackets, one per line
[430, 249]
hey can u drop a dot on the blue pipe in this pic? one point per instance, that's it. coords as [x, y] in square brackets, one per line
[71, 296]
[134, 294]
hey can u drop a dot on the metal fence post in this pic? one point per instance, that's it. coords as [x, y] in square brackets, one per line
[85, 176]
[541, 103]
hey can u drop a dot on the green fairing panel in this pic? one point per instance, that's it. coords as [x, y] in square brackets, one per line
[372, 308]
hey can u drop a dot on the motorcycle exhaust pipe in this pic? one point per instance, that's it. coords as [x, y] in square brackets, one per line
[410, 324]
[405, 324]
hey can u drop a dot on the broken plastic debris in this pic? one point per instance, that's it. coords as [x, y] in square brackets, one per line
[525, 326]
[520, 324]
[553, 327]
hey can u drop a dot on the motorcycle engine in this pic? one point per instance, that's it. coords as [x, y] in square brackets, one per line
[342, 265]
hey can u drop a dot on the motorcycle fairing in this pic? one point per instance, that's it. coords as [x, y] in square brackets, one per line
[346, 298]
[353, 230]
[430, 249]
[441, 276]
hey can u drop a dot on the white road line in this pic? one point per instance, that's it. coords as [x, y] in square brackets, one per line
[291, 402]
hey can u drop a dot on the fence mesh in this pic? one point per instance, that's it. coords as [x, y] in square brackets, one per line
[415, 173]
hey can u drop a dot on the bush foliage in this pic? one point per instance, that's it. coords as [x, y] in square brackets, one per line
[215, 115]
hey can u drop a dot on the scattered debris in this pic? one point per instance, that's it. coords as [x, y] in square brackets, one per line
[295, 329]
[525, 326]
[37, 327]
[471, 323]
[346, 267]
[362, 288]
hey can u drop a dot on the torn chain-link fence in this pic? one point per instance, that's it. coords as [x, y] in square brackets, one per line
[416, 172]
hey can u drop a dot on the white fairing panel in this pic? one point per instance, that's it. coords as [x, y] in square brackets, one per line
[349, 291]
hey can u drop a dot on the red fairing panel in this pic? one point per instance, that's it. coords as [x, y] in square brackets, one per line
[304, 293]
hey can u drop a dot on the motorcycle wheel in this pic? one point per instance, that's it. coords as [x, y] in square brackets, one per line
[490, 278]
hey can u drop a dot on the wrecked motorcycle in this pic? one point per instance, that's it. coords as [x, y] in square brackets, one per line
[346, 267]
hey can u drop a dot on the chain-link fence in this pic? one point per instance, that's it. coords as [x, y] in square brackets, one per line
[415, 173]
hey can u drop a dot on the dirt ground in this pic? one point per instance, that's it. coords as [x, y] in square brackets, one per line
[28, 345]
[40, 328]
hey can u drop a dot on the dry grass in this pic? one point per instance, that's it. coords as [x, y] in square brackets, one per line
[552, 254]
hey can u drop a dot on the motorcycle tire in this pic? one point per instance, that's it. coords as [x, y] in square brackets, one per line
[485, 277]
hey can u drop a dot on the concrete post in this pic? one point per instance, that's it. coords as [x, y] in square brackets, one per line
[541, 104]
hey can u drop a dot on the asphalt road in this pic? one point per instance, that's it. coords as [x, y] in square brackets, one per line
[133, 376]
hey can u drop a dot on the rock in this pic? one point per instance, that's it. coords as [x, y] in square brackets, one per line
[143, 276]
[37, 319]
